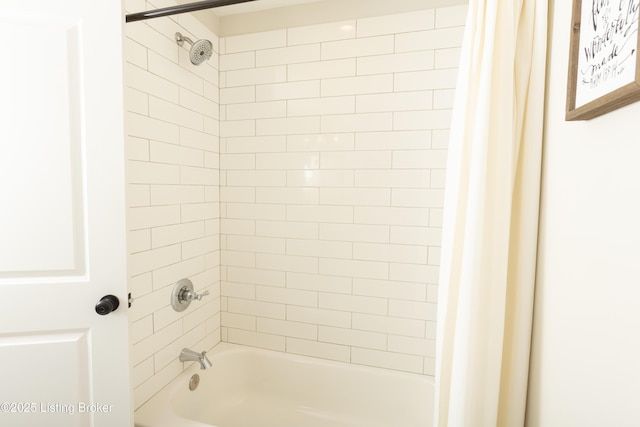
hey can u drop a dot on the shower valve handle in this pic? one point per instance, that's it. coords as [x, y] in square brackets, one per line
[183, 293]
[188, 295]
[199, 296]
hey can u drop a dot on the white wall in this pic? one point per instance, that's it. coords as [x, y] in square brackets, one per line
[584, 369]
[173, 215]
[333, 149]
[318, 12]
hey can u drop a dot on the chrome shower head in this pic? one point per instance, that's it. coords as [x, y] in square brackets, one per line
[201, 50]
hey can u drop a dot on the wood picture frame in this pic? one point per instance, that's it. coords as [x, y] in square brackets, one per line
[604, 64]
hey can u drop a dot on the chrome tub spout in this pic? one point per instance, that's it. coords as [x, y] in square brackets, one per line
[187, 355]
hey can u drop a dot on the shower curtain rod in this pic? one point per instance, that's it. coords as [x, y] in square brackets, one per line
[183, 8]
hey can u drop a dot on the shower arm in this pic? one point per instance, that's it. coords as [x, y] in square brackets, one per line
[183, 8]
[180, 39]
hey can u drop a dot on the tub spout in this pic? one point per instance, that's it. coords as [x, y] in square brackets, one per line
[205, 363]
[187, 355]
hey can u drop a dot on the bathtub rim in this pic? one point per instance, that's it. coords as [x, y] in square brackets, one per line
[160, 401]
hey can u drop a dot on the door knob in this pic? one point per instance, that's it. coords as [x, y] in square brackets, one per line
[107, 304]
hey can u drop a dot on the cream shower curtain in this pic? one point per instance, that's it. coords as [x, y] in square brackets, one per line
[491, 217]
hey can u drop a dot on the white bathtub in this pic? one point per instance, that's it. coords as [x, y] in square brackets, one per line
[249, 387]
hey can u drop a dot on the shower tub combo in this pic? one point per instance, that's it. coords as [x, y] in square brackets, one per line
[250, 387]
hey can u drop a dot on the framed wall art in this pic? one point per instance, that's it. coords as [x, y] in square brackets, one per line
[604, 65]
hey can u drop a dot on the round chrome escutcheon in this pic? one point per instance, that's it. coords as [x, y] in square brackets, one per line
[194, 381]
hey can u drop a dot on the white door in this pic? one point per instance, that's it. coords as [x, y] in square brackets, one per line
[62, 215]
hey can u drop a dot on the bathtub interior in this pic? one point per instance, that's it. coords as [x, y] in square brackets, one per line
[250, 387]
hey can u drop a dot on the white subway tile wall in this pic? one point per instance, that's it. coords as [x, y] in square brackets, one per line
[172, 195]
[298, 176]
[332, 156]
